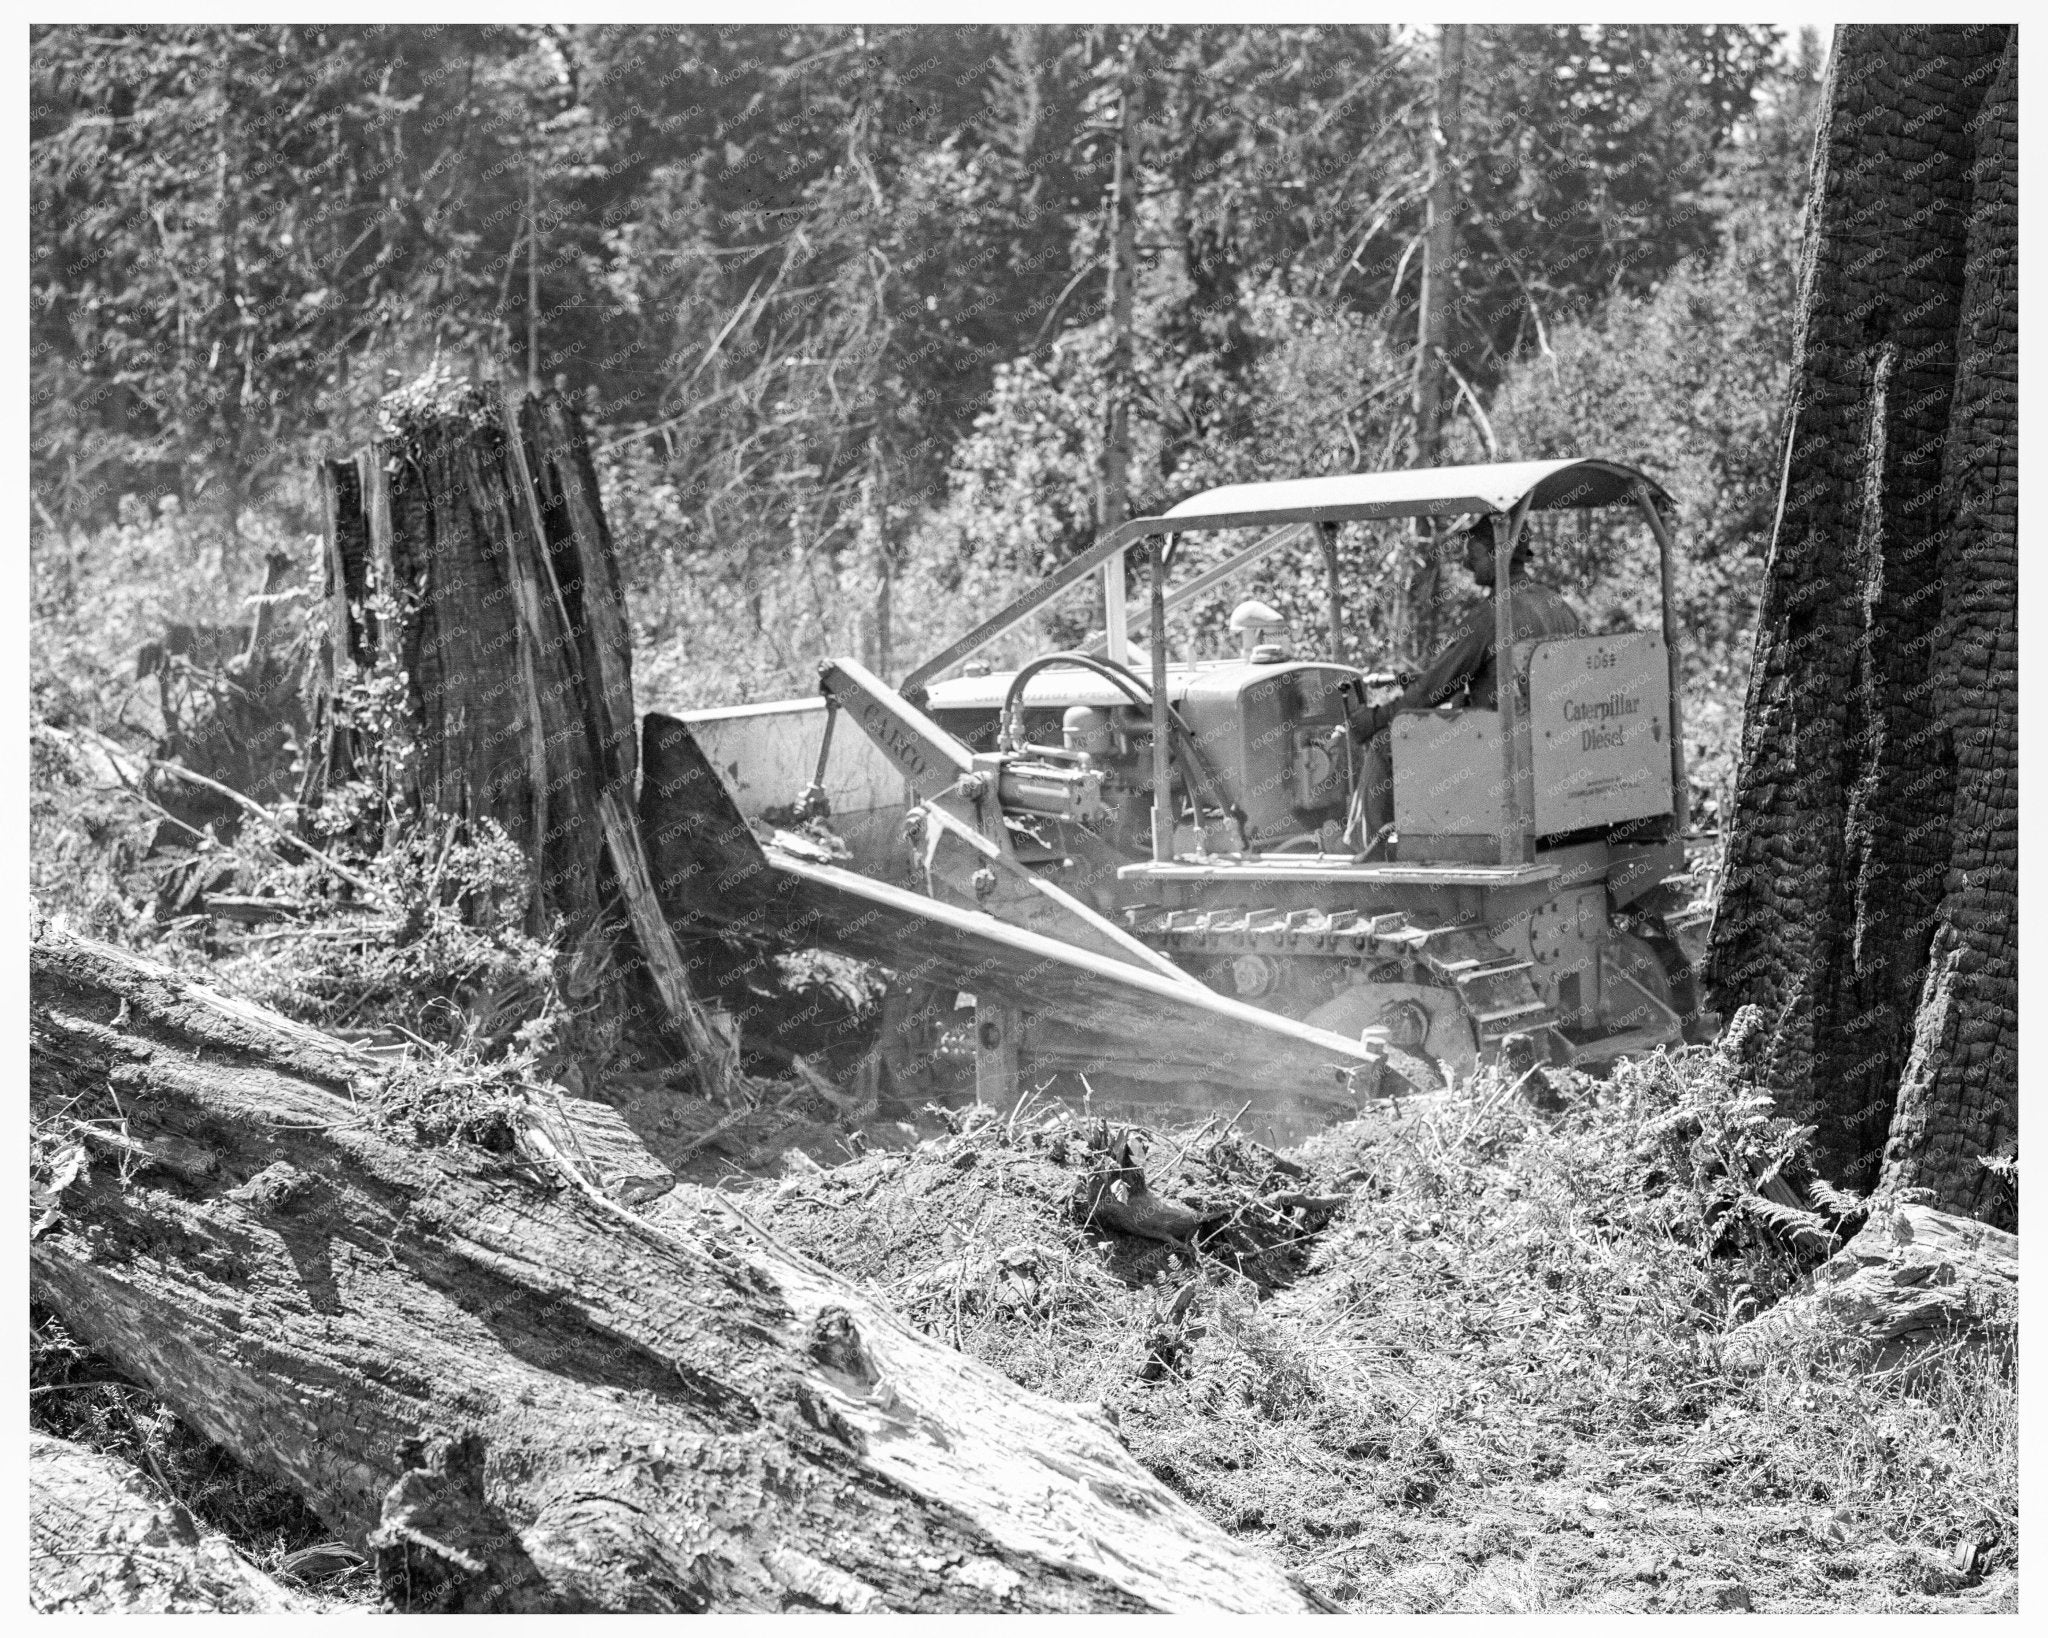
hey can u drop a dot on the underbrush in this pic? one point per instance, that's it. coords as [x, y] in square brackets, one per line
[88, 837]
[1496, 1380]
[433, 946]
[420, 941]
[98, 599]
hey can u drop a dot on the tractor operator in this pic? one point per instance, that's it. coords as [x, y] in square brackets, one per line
[1463, 674]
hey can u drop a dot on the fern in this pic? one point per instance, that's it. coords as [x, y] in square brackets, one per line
[1841, 1202]
[1790, 1221]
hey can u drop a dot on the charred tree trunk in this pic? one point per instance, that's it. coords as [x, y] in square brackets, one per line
[1957, 1097]
[1875, 822]
[513, 1388]
[470, 556]
[101, 1541]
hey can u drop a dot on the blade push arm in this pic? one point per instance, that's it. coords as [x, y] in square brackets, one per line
[923, 752]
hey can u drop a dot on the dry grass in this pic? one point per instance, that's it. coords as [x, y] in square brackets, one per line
[1496, 1382]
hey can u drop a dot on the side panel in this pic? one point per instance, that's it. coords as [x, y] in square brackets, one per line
[1447, 773]
[766, 753]
[1600, 731]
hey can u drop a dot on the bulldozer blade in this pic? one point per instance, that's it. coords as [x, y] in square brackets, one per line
[713, 873]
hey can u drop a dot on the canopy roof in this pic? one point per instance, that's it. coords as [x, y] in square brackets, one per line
[1431, 492]
[1435, 492]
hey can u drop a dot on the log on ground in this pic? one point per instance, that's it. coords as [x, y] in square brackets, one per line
[102, 1541]
[472, 1360]
[1912, 1282]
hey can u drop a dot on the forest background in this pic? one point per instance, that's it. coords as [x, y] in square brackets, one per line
[873, 325]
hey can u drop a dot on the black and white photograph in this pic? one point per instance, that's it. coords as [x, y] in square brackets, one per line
[1185, 816]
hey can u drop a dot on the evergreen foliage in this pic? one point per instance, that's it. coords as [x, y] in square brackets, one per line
[835, 299]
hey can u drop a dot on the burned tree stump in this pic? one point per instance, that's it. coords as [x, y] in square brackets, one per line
[470, 571]
[1871, 898]
[232, 710]
[471, 1359]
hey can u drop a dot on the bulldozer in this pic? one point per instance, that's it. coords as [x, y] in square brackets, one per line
[1124, 865]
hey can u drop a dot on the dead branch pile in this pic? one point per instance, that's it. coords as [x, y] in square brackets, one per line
[1496, 1381]
[1150, 1204]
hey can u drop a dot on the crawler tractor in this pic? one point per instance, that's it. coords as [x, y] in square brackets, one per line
[1195, 820]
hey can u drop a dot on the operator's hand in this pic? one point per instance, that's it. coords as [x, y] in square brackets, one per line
[1365, 721]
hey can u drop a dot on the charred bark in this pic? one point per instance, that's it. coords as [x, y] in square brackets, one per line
[1957, 1098]
[1878, 633]
[514, 1389]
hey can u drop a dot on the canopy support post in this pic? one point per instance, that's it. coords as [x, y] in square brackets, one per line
[1681, 792]
[1022, 608]
[1333, 589]
[1116, 640]
[1230, 567]
[1517, 838]
[1162, 779]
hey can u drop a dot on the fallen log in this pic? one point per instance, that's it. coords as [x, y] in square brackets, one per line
[102, 1541]
[1911, 1282]
[476, 1363]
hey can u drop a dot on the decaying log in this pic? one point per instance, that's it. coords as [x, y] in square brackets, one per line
[1913, 1280]
[101, 1541]
[473, 1361]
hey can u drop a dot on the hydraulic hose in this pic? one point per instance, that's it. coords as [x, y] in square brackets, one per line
[1186, 750]
[1197, 757]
